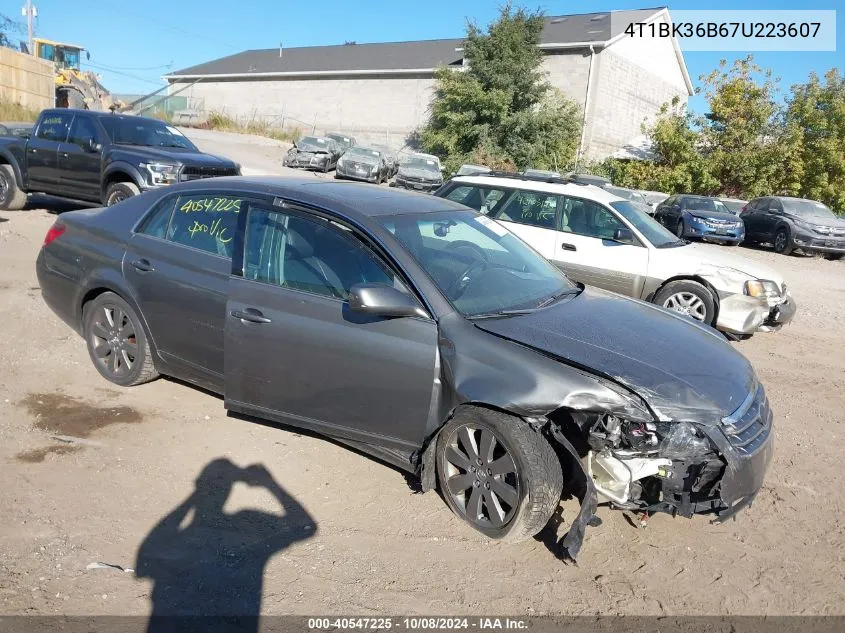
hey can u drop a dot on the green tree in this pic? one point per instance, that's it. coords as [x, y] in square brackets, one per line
[499, 108]
[816, 116]
[678, 165]
[743, 138]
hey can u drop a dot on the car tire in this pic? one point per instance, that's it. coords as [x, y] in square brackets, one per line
[120, 191]
[679, 228]
[688, 297]
[834, 256]
[783, 241]
[116, 340]
[11, 196]
[513, 505]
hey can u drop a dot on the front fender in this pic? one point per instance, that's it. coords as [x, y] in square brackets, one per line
[124, 168]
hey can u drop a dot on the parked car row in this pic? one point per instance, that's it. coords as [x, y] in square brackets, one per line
[602, 240]
[375, 163]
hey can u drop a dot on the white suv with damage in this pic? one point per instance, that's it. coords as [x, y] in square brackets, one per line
[602, 240]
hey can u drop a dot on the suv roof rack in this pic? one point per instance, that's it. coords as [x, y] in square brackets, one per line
[518, 175]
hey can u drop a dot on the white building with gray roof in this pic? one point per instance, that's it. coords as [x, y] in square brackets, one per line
[382, 91]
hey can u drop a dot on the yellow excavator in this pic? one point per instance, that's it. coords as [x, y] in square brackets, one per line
[75, 88]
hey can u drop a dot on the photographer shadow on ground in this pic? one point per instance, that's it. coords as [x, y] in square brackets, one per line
[206, 562]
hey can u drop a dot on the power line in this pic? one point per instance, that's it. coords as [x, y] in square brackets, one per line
[131, 76]
[170, 27]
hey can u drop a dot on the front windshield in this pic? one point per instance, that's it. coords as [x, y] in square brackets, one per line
[421, 162]
[652, 230]
[313, 144]
[364, 152]
[127, 130]
[702, 204]
[478, 264]
[808, 209]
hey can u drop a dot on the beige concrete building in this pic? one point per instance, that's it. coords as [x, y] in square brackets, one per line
[383, 91]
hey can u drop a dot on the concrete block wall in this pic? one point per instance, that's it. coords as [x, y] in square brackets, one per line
[374, 108]
[624, 95]
[568, 72]
[26, 80]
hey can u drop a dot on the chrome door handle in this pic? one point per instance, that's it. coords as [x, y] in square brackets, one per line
[250, 314]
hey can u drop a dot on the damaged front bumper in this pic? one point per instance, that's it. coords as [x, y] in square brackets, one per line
[697, 469]
[741, 314]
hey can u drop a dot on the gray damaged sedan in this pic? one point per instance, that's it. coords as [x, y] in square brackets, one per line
[423, 333]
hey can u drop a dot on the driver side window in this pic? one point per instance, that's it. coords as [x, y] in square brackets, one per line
[311, 255]
[588, 218]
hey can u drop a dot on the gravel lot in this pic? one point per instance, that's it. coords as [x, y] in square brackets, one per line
[353, 537]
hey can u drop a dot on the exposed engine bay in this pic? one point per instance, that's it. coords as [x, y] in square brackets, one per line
[653, 467]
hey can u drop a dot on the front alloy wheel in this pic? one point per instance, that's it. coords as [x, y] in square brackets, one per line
[687, 303]
[689, 298]
[497, 473]
[481, 477]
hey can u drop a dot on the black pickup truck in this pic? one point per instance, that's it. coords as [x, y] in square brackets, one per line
[99, 157]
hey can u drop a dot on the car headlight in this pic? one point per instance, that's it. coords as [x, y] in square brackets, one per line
[161, 173]
[761, 288]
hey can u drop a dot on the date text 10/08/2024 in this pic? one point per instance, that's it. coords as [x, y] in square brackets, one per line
[417, 623]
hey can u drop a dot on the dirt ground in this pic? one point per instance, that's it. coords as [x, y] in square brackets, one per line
[159, 487]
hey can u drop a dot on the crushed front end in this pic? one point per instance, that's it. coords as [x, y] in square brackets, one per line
[682, 467]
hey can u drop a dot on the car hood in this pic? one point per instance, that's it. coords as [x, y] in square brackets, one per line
[364, 160]
[708, 262]
[178, 155]
[413, 172]
[714, 215]
[838, 223]
[675, 364]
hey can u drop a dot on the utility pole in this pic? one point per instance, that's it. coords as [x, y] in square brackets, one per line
[30, 12]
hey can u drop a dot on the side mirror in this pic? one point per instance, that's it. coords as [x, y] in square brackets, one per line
[92, 146]
[623, 236]
[382, 300]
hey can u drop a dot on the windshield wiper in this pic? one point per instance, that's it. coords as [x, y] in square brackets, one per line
[501, 313]
[555, 297]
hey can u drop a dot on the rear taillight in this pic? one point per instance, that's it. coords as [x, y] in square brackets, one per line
[53, 232]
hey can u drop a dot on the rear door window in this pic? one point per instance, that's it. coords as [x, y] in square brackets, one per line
[206, 222]
[485, 200]
[529, 207]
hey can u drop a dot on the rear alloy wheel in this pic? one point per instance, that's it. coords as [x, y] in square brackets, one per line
[689, 298]
[783, 242]
[11, 197]
[117, 343]
[498, 474]
[120, 191]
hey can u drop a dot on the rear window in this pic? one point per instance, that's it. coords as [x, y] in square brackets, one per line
[204, 222]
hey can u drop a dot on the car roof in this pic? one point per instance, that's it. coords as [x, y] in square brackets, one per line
[356, 201]
[590, 192]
